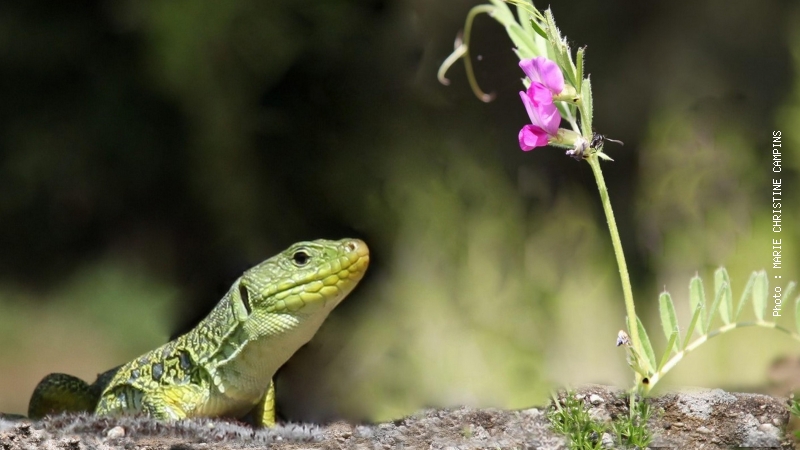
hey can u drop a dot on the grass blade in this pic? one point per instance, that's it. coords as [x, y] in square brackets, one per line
[697, 299]
[760, 288]
[647, 347]
[669, 320]
[722, 282]
[745, 295]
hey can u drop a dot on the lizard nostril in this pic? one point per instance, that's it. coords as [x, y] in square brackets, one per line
[351, 246]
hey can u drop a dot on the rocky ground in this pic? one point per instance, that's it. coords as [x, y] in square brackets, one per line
[689, 420]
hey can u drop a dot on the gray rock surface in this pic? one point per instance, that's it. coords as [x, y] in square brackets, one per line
[689, 420]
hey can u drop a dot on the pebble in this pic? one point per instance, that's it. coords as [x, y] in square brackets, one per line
[595, 399]
[607, 441]
[766, 427]
[116, 433]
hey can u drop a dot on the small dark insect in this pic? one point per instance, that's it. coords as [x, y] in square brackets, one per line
[579, 152]
[598, 140]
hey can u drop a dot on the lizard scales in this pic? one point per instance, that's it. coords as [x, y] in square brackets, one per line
[224, 366]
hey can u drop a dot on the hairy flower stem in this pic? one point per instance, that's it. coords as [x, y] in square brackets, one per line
[633, 329]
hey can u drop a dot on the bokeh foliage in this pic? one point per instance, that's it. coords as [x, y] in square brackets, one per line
[151, 150]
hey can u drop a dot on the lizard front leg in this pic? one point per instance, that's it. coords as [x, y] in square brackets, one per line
[164, 403]
[264, 412]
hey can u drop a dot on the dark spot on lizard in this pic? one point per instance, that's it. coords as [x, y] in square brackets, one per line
[158, 371]
[186, 362]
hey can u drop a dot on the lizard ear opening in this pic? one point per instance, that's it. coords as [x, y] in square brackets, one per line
[245, 296]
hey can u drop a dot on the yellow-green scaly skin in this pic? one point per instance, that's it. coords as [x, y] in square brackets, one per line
[224, 366]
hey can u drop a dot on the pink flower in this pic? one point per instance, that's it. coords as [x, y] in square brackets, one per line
[546, 80]
[544, 71]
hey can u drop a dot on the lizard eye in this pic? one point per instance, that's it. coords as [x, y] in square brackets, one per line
[300, 258]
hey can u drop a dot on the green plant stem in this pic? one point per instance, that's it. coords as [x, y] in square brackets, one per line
[462, 52]
[627, 292]
[473, 82]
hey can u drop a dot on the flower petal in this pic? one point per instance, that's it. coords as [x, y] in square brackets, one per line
[551, 75]
[529, 105]
[544, 71]
[540, 94]
[531, 136]
[549, 118]
[527, 66]
[545, 116]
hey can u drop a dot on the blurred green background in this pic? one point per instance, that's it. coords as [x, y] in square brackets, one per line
[150, 151]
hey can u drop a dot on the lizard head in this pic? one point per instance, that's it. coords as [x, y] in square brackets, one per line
[307, 280]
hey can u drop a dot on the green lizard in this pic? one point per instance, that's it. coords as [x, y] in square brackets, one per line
[224, 366]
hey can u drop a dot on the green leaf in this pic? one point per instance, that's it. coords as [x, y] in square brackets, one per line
[560, 49]
[722, 286]
[579, 67]
[526, 48]
[697, 299]
[586, 108]
[745, 295]
[647, 347]
[669, 320]
[528, 22]
[538, 28]
[714, 306]
[568, 54]
[673, 342]
[502, 13]
[603, 156]
[787, 293]
[760, 288]
[695, 317]
[634, 361]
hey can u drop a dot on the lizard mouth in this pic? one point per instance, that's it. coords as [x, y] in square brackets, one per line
[328, 284]
[351, 268]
